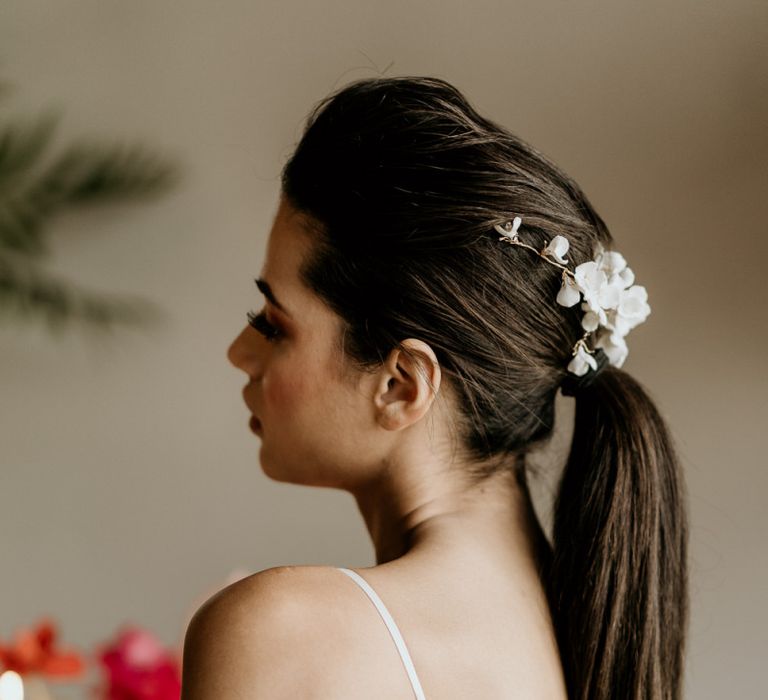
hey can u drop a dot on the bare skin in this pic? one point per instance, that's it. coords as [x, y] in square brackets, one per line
[457, 565]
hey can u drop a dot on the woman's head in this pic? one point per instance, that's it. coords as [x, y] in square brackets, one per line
[403, 181]
[324, 421]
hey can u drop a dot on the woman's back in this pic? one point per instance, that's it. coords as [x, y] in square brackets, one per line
[471, 635]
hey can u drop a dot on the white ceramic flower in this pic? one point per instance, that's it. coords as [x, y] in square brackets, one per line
[581, 362]
[557, 248]
[509, 233]
[569, 293]
[590, 279]
[609, 295]
[611, 262]
[626, 277]
[599, 291]
[632, 309]
[593, 284]
[615, 267]
[591, 320]
[613, 345]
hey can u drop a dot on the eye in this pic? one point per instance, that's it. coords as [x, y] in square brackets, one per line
[260, 323]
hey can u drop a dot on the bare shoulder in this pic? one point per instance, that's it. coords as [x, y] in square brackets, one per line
[277, 590]
[310, 632]
[255, 637]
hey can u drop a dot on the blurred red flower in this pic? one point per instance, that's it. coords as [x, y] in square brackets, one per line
[33, 651]
[139, 668]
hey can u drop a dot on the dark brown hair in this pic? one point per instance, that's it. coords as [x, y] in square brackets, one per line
[405, 181]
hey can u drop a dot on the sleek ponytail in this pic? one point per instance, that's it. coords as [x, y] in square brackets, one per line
[401, 182]
[618, 582]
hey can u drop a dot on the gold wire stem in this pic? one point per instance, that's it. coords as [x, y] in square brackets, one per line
[581, 342]
[540, 253]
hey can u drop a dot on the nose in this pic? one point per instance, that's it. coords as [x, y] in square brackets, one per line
[242, 354]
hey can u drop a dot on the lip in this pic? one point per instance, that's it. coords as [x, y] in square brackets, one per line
[255, 425]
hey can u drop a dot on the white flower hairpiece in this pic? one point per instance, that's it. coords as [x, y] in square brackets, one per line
[613, 305]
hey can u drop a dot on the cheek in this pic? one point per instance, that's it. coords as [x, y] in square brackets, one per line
[288, 389]
[283, 392]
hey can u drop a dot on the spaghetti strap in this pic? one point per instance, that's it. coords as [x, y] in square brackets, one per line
[392, 627]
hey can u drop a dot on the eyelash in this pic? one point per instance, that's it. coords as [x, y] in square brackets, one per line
[260, 323]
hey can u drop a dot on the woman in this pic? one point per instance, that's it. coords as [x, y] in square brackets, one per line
[408, 355]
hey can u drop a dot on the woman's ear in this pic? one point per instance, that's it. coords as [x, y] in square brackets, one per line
[409, 383]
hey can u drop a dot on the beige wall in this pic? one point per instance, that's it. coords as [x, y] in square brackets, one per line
[130, 484]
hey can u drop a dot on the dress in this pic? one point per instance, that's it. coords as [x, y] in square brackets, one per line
[393, 630]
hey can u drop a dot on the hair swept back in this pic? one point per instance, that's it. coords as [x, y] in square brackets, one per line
[405, 180]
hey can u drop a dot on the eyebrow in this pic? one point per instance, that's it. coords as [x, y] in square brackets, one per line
[266, 290]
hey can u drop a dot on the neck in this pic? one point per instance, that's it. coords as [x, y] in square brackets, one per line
[494, 520]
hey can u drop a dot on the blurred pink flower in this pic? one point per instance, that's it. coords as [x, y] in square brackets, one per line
[139, 668]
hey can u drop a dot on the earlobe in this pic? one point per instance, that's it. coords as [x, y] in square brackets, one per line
[410, 381]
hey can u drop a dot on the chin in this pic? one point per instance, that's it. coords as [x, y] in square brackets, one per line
[278, 470]
[301, 473]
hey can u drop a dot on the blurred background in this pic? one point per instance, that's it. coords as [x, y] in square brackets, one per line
[130, 488]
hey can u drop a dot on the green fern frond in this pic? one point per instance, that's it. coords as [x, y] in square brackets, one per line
[26, 292]
[82, 174]
[21, 226]
[21, 148]
[85, 173]
[34, 186]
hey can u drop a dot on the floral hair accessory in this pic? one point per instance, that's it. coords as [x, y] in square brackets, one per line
[613, 305]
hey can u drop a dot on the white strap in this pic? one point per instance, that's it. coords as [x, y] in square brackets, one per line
[392, 627]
